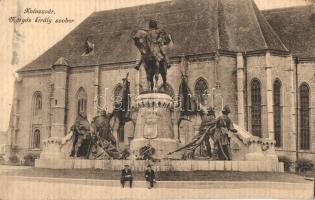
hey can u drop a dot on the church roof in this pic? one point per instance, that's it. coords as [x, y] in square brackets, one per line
[196, 26]
[296, 28]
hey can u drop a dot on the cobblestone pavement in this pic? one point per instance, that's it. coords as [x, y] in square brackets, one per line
[30, 188]
[12, 190]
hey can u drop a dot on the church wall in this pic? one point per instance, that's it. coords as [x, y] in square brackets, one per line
[281, 70]
[256, 69]
[110, 77]
[201, 69]
[228, 83]
[306, 74]
[226, 74]
[224, 68]
[28, 121]
[173, 77]
[80, 78]
[134, 82]
[3, 141]
[197, 69]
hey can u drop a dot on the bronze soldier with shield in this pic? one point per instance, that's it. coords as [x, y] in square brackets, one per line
[80, 130]
[221, 136]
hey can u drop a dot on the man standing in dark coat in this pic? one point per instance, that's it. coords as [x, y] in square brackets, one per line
[149, 176]
[221, 137]
[228, 122]
[126, 175]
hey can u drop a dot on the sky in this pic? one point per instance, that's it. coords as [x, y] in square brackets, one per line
[32, 39]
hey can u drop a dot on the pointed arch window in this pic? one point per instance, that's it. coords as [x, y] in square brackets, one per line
[37, 102]
[81, 101]
[256, 107]
[201, 90]
[304, 116]
[277, 112]
[36, 139]
[118, 96]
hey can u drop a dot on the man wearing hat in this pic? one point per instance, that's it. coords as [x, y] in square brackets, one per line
[126, 175]
[149, 176]
[228, 122]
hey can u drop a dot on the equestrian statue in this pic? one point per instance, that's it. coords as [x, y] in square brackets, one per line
[150, 44]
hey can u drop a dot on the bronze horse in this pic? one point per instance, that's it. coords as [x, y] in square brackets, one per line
[152, 65]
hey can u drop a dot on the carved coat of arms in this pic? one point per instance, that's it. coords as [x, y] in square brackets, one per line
[150, 127]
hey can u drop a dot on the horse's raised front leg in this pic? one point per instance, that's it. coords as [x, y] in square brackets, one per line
[148, 73]
[164, 81]
[163, 71]
[156, 77]
[149, 85]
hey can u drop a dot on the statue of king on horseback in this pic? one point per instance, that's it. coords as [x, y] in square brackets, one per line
[150, 44]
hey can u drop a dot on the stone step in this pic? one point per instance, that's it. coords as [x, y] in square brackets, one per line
[163, 165]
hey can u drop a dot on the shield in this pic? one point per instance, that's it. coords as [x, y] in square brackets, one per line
[150, 127]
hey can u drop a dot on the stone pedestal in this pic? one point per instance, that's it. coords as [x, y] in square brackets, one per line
[52, 149]
[254, 149]
[154, 124]
[269, 149]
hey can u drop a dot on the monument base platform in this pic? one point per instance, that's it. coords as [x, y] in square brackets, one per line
[163, 165]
